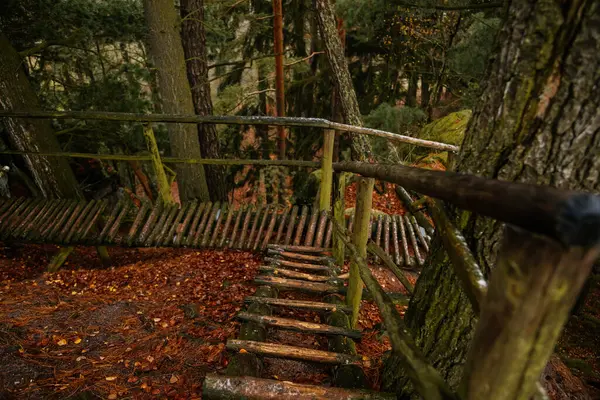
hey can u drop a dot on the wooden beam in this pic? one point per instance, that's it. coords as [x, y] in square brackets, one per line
[326, 171]
[293, 274]
[387, 260]
[293, 264]
[339, 208]
[164, 188]
[300, 249]
[307, 305]
[294, 284]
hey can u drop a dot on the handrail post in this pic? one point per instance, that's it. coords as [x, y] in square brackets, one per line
[164, 189]
[360, 236]
[326, 170]
[339, 207]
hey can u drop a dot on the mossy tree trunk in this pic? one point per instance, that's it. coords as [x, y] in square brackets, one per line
[538, 121]
[346, 96]
[166, 52]
[52, 175]
[193, 36]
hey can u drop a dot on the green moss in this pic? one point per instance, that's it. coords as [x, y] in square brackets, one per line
[450, 129]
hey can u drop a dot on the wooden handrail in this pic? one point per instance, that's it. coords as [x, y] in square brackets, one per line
[228, 120]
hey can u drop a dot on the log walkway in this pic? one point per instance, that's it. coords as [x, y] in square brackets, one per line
[202, 225]
[245, 375]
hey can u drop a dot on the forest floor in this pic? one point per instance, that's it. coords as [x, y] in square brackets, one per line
[151, 326]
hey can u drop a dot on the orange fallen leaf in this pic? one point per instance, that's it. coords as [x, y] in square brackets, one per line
[62, 342]
[111, 378]
[77, 341]
[112, 396]
[173, 379]
[243, 351]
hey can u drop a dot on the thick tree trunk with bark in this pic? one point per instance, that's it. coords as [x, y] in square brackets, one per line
[193, 36]
[361, 148]
[167, 55]
[52, 175]
[537, 122]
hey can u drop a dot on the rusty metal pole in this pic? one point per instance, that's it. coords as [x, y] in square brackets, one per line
[279, 86]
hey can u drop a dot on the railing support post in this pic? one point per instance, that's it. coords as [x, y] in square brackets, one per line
[164, 188]
[531, 291]
[326, 170]
[339, 207]
[360, 236]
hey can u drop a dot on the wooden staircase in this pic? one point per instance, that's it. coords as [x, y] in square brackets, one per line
[313, 272]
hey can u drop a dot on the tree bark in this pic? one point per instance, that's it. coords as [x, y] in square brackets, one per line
[193, 36]
[52, 175]
[167, 55]
[538, 122]
[411, 94]
[361, 148]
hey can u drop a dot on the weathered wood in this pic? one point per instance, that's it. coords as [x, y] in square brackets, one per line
[59, 258]
[294, 274]
[298, 326]
[88, 225]
[312, 227]
[51, 220]
[159, 225]
[175, 229]
[164, 188]
[291, 352]
[224, 235]
[32, 213]
[426, 379]
[207, 212]
[163, 234]
[407, 258]
[360, 236]
[220, 217]
[11, 209]
[351, 222]
[270, 229]
[112, 233]
[254, 226]
[339, 207]
[137, 222]
[397, 258]
[300, 256]
[281, 226]
[307, 305]
[329, 234]
[33, 227]
[371, 219]
[290, 230]
[209, 224]
[533, 287]
[413, 240]
[70, 221]
[405, 198]
[386, 234]
[261, 227]
[194, 225]
[321, 229]
[79, 221]
[300, 249]
[326, 171]
[249, 211]
[420, 235]
[378, 251]
[6, 203]
[293, 284]
[218, 387]
[55, 227]
[300, 227]
[182, 229]
[13, 219]
[149, 225]
[293, 264]
[238, 218]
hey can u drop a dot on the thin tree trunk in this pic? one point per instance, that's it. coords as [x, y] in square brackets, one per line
[52, 175]
[425, 93]
[193, 36]
[167, 55]
[361, 148]
[538, 122]
[411, 94]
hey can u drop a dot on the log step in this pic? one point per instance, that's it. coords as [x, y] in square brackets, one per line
[294, 274]
[301, 249]
[323, 260]
[293, 264]
[299, 326]
[294, 284]
[218, 387]
[291, 352]
[307, 305]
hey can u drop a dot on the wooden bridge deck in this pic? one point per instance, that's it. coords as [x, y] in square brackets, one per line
[196, 225]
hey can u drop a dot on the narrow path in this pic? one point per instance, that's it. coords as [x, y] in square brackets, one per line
[266, 335]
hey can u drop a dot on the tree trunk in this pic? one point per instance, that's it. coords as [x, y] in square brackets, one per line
[538, 122]
[411, 94]
[167, 55]
[361, 148]
[425, 93]
[193, 36]
[52, 175]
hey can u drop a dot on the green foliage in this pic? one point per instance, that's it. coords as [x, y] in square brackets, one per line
[450, 129]
[395, 119]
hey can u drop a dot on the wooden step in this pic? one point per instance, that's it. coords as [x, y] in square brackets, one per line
[294, 274]
[221, 387]
[299, 326]
[294, 284]
[306, 305]
[299, 256]
[299, 265]
[300, 249]
[291, 352]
